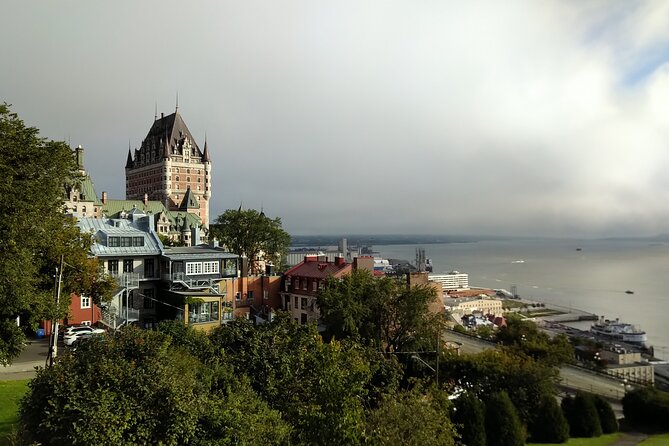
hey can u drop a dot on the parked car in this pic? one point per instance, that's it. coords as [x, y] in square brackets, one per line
[75, 333]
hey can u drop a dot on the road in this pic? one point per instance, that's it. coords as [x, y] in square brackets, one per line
[572, 378]
[33, 355]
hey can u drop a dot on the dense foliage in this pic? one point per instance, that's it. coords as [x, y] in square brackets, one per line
[550, 425]
[581, 414]
[525, 336]
[385, 312]
[250, 233]
[647, 407]
[502, 425]
[34, 234]
[468, 416]
[607, 417]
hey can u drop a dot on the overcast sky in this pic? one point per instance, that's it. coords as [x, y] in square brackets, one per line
[344, 117]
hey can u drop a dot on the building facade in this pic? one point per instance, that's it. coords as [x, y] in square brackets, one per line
[170, 167]
[452, 281]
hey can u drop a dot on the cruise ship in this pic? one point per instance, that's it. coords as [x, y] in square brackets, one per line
[618, 331]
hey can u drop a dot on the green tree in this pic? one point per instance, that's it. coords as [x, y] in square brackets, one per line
[550, 424]
[647, 407]
[607, 417]
[468, 415]
[525, 336]
[128, 389]
[582, 416]
[247, 232]
[410, 418]
[502, 425]
[318, 387]
[385, 312]
[524, 379]
[34, 233]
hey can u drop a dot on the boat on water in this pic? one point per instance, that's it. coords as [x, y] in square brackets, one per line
[619, 331]
[629, 292]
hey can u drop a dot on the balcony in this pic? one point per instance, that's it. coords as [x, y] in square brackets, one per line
[115, 317]
[126, 280]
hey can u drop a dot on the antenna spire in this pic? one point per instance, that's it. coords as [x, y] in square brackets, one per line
[177, 109]
[155, 116]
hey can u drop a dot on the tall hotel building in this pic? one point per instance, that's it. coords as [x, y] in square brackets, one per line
[170, 167]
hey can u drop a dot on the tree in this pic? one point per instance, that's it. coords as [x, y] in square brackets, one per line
[582, 416]
[385, 312]
[525, 336]
[468, 415]
[34, 233]
[550, 424]
[132, 388]
[646, 406]
[252, 234]
[607, 417]
[318, 387]
[410, 418]
[502, 425]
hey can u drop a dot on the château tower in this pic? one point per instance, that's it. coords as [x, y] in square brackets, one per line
[170, 167]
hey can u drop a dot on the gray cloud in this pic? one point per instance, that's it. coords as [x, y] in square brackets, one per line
[541, 118]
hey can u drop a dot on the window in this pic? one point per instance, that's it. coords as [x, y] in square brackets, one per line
[303, 304]
[203, 312]
[304, 284]
[112, 266]
[85, 302]
[149, 269]
[238, 295]
[265, 294]
[87, 323]
[138, 241]
[249, 295]
[114, 242]
[296, 284]
[295, 305]
[128, 266]
[210, 267]
[126, 242]
[193, 268]
[314, 285]
[149, 303]
[303, 318]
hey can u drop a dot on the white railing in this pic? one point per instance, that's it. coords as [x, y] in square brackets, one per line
[126, 280]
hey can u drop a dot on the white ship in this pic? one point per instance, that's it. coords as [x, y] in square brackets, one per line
[619, 331]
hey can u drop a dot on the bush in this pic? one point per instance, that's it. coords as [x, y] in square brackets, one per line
[582, 416]
[468, 415]
[502, 425]
[550, 424]
[647, 407]
[607, 418]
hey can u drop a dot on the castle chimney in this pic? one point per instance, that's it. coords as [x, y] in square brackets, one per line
[339, 261]
[104, 197]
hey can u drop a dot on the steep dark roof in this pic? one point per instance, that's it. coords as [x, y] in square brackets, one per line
[173, 128]
[189, 201]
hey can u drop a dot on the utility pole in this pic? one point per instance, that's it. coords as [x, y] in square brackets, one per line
[54, 323]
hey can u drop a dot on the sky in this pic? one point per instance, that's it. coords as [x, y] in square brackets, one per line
[527, 118]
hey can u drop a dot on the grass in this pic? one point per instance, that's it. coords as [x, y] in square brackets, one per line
[656, 440]
[11, 393]
[604, 440]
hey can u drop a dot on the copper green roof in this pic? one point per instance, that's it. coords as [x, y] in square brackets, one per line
[113, 208]
[87, 191]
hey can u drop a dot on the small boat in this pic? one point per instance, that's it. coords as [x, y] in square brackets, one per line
[518, 261]
[629, 292]
[579, 249]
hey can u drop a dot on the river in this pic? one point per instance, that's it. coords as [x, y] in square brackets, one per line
[591, 275]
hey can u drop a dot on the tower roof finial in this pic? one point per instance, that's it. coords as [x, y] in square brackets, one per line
[155, 116]
[177, 109]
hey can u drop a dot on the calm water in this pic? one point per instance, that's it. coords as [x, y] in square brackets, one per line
[594, 279]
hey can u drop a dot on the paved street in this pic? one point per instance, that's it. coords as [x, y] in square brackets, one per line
[23, 367]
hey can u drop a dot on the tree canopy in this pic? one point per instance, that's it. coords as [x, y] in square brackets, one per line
[247, 232]
[34, 233]
[383, 311]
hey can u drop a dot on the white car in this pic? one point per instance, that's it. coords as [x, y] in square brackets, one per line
[73, 333]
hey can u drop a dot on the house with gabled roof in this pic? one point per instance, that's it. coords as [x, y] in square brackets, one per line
[129, 250]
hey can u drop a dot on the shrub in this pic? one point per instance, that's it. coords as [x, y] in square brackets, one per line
[468, 416]
[550, 424]
[647, 407]
[502, 425]
[607, 418]
[582, 416]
